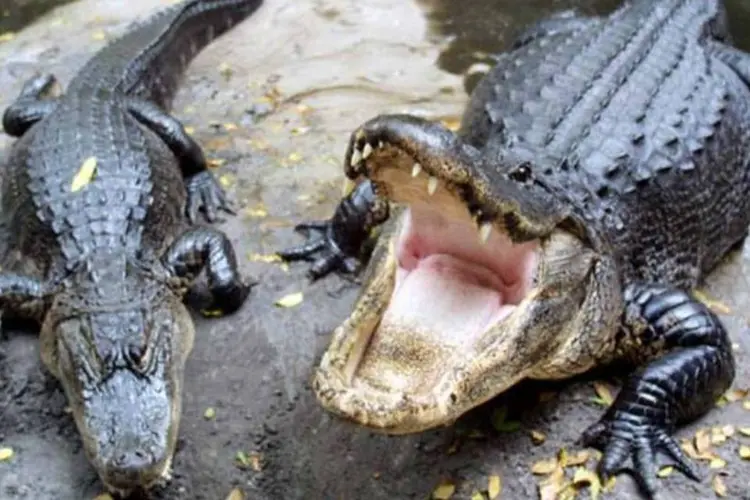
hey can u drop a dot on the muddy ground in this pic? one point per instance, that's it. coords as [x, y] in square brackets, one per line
[274, 102]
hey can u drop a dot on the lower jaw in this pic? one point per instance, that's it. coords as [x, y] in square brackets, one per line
[158, 479]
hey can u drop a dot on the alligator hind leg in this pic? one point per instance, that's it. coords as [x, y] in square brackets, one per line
[20, 295]
[676, 388]
[32, 105]
[205, 248]
[204, 193]
[342, 238]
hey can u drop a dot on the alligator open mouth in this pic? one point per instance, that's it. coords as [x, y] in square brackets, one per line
[447, 316]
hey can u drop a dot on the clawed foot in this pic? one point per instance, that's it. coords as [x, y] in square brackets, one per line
[622, 438]
[330, 258]
[205, 194]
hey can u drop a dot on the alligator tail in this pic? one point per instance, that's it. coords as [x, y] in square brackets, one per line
[150, 59]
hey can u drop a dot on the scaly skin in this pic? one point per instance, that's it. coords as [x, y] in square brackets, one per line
[105, 268]
[631, 134]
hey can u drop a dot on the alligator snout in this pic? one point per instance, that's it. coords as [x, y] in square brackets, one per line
[134, 467]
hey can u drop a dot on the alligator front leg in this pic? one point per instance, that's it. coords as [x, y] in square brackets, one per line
[203, 192]
[206, 248]
[342, 238]
[31, 105]
[680, 386]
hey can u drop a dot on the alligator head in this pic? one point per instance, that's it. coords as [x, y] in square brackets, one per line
[118, 345]
[482, 278]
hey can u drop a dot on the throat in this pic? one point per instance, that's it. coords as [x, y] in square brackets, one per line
[446, 297]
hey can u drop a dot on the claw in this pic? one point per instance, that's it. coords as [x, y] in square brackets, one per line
[205, 194]
[640, 442]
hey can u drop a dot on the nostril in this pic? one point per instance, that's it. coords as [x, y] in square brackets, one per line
[133, 460]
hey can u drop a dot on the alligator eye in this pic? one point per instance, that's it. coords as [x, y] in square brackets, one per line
[522, 173]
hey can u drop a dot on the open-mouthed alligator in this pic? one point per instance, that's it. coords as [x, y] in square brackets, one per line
[97, 196]
[600, 171]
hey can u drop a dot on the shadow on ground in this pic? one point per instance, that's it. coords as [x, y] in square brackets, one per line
[273, 103]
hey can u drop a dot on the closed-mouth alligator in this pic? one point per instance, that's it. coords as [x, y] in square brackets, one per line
[600, 171]
[98, 195]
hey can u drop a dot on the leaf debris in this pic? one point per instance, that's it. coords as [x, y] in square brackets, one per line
[444, 491]
[583, 477]
[665, 471]
[494, 486]
[744, 452]
[236, 494]
[604, 394]
[85, 174]
[6, 453]
[718, 485]
[103, 496]
[717, 306]
[7, 36]
[291, 300]
[537, 437]
[209, 414]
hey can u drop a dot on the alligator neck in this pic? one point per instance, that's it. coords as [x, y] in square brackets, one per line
[150, 59]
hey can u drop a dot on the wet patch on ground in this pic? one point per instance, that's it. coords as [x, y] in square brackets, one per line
[273, 103]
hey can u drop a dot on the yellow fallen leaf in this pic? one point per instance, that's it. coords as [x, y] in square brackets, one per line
[225, 70]
[229, 127]
[209, 414]
[604, 394]
[225, 180]
[215, 162]
[583, 476]
[745, 452]
[255, 462]
[303, 108]
[7, 37]
[550, 488]
[728, 430]
[494, 486]
[6, 454]
[717, 463]
[702, 441]
[745, 431]
[267, 258]
[477, 495]
[537, 437]
[544, 467]
[98, 35]
[717, 306]
[578, 458]
[103, 496]
[719, 487]
[84, 175]
[294, 157]
[665, 471]
[291, 300]
[236, 494]
[444, 491]
[746, 405]
[689, 449]
[735, 395]
[610, 484]
[451, 123]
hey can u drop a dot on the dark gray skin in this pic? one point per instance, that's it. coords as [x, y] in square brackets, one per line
[104, 269]
[631, 132]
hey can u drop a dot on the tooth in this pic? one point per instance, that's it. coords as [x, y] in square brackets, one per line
[416, 169]
[367, 151]
[484, 232]
[356, 158]
[432, 184]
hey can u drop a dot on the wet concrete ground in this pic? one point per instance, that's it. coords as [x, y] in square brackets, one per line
[275, 100]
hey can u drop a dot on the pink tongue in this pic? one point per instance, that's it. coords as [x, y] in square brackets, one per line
[443, 298]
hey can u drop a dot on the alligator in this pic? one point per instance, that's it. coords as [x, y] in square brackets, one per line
[599, 173]
[101, 197]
